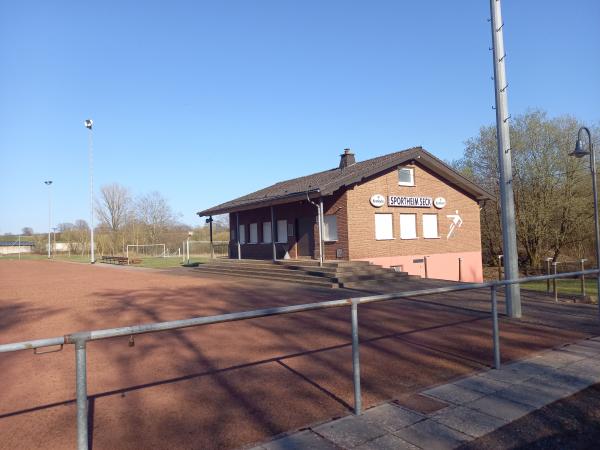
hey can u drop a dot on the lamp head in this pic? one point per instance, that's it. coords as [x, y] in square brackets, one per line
[579, 151]
[48, 183]
[88, 123]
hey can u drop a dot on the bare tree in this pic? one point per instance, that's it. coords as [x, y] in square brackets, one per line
[27, 231]
[155, 214]
[552, 190]
[114, 206]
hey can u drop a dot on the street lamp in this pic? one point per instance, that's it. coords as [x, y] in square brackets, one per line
[49, 183]
[88, 124]
[580, 152]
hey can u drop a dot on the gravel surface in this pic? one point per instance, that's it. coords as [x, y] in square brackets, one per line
[226, 385]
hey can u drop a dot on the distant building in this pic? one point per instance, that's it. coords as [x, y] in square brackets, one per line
[15, 247]
[407, 210]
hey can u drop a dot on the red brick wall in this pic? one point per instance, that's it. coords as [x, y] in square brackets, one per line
[361, 229]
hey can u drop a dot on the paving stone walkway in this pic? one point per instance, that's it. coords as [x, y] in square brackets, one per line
[469, 408]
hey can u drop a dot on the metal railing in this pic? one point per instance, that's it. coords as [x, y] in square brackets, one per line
[81, 339]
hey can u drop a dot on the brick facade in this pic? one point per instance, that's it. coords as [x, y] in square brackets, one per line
[356, 227]
[427, 184]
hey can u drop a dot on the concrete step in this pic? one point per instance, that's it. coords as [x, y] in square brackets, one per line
[386, 278]
[286, 276]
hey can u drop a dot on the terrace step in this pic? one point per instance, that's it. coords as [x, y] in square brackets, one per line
[331, 274]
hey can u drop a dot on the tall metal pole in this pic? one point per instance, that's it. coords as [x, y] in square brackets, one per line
[596, 225]
[49, 183]
[509, 234]
[89, 124]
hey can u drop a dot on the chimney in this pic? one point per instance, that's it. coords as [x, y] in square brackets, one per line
[347, 158]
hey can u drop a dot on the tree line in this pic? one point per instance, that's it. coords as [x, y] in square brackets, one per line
[123, 219]
[552, 190]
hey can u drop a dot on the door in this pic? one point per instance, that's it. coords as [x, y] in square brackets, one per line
[305, 236]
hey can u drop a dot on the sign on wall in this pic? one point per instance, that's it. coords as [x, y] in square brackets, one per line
[439, 202]
[409, 202]
[377, 200]
[456, 222]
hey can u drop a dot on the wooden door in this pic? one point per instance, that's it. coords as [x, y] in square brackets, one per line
[305, 236]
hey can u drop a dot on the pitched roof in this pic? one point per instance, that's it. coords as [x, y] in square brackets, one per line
[327, 182]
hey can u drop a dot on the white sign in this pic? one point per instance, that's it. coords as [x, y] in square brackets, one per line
[439, 202]
[409, 202]
[456, 223]
[377, 200]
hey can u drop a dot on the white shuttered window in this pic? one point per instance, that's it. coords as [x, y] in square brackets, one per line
[384, 226]
[242, 232]
[253, 233]
[330, 228]
[282, 231]
[408, 226]
[267, 232]
[430, 226]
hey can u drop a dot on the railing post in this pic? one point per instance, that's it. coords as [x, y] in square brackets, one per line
[548, 261]
[495, 331]
[583, 278]
[554, 287]
[82, 400]
[356, 360]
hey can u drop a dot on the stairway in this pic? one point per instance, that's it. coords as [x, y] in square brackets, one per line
[333, 274]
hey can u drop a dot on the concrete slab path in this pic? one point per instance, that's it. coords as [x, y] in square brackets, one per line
[469, 408]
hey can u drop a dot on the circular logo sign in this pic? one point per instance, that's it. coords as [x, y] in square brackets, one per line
[377, 200]
[439, 202]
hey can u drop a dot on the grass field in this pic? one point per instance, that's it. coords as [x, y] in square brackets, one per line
[150, 263]
[569, 287]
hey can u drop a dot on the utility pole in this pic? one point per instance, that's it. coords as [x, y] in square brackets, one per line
[89, 124]
[49, 183]
[509, 234]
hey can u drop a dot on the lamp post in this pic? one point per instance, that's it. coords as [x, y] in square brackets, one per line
[49, 183]
[580, 152]
[88, 124]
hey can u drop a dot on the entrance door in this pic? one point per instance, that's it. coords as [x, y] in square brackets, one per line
[305, 236]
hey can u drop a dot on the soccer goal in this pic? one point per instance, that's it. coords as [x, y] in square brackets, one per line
[146, 251]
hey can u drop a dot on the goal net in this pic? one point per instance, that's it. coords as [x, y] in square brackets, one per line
[146, 251]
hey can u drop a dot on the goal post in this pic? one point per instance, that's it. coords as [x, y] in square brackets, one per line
[146, 251]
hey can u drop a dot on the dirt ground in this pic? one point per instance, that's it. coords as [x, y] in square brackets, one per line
[226, 385]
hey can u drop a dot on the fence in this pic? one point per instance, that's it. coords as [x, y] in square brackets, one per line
[81, 339]
[204, 249]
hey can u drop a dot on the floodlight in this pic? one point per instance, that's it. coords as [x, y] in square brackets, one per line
[88, 123]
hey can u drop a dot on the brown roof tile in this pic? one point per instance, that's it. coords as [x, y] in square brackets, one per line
[327, 182]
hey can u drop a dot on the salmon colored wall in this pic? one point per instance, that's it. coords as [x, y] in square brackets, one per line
[442, 266]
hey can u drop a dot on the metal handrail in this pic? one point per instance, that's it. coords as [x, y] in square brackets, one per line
[80, 339]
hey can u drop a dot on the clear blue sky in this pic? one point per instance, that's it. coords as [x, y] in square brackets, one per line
[205, 101]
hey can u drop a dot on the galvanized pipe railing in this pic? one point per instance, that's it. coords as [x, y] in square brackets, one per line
[80, 339]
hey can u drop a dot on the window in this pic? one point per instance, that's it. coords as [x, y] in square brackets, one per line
[242, 234]
[430, 226]
[406, 176]
[408, 226]
[253, 233]
[330, 228]
[384, 227]
[267, 233]
[282, 231]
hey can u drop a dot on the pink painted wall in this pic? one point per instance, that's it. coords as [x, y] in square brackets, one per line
[442, 266]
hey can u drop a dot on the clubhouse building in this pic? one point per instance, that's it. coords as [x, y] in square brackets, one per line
[407, 210]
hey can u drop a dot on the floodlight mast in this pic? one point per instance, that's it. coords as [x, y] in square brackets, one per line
[49, 183]
[88, 124]
[509, 233]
